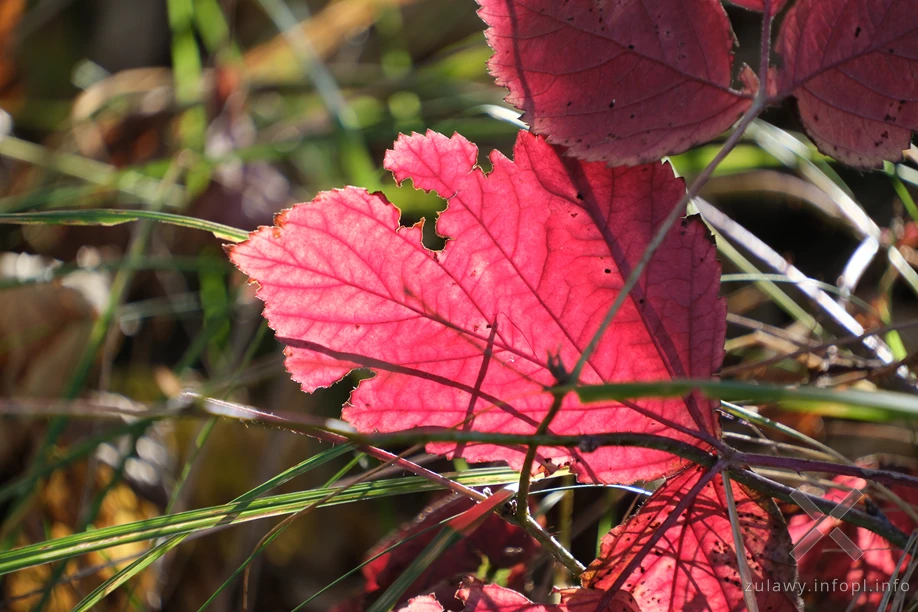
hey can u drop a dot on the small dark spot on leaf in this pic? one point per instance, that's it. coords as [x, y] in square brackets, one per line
[857, 32]
[631, 47]
[612, 104]
[608, 271]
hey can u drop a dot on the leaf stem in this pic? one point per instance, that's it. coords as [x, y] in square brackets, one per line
[526, 521]
[739, 545]
[522, 497]
[877, 523]
[811, 465]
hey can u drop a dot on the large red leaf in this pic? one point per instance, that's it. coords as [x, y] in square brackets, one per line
[462, 337]
[625, 81]
[693, 566]
[852, 66]
[827, 564]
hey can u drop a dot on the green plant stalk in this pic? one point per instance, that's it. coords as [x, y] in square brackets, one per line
[385, 551]
[98, 335]
[443, 540]
[111, 216]
[522, 505]
[766, 286]
[81, 373]
[278, 530]
[758, 419]
[110, 585]
[224, 515]
[902, 191]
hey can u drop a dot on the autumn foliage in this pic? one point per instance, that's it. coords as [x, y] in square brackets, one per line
[478, 336]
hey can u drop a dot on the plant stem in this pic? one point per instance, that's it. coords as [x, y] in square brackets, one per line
[878, 524]
[811, 465]
[522, 497]
[526, 522]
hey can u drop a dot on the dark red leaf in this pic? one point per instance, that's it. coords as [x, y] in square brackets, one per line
[503, 545]
[826, 562]
[852, 67]
[693, 566]
[462, 337]
[493, 598]
[624, 81]
[759, 5]
[424, 603]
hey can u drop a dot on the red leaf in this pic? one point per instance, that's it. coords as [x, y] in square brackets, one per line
[693, 565]
[425, 603]
[503, 544]
[851, 66]
[538, 250]
[493, 598]
[625, 81]
[826, 562]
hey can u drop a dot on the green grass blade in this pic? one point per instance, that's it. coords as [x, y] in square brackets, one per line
[853, 403]
[232, 513]
[442, 541]
[112, 584]
[111, 216]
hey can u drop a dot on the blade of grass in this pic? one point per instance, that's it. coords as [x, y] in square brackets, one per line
[121, 577]
[110, 216]
[232, 513]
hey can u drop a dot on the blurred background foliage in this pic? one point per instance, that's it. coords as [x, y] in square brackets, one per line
[229, 111]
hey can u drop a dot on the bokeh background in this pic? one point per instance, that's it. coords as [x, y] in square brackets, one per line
[231, 110]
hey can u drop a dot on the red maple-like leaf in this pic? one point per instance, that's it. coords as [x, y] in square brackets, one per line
[693, 566]
[852, 65]
[462, 337]
[865, 578]
[624, 81]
